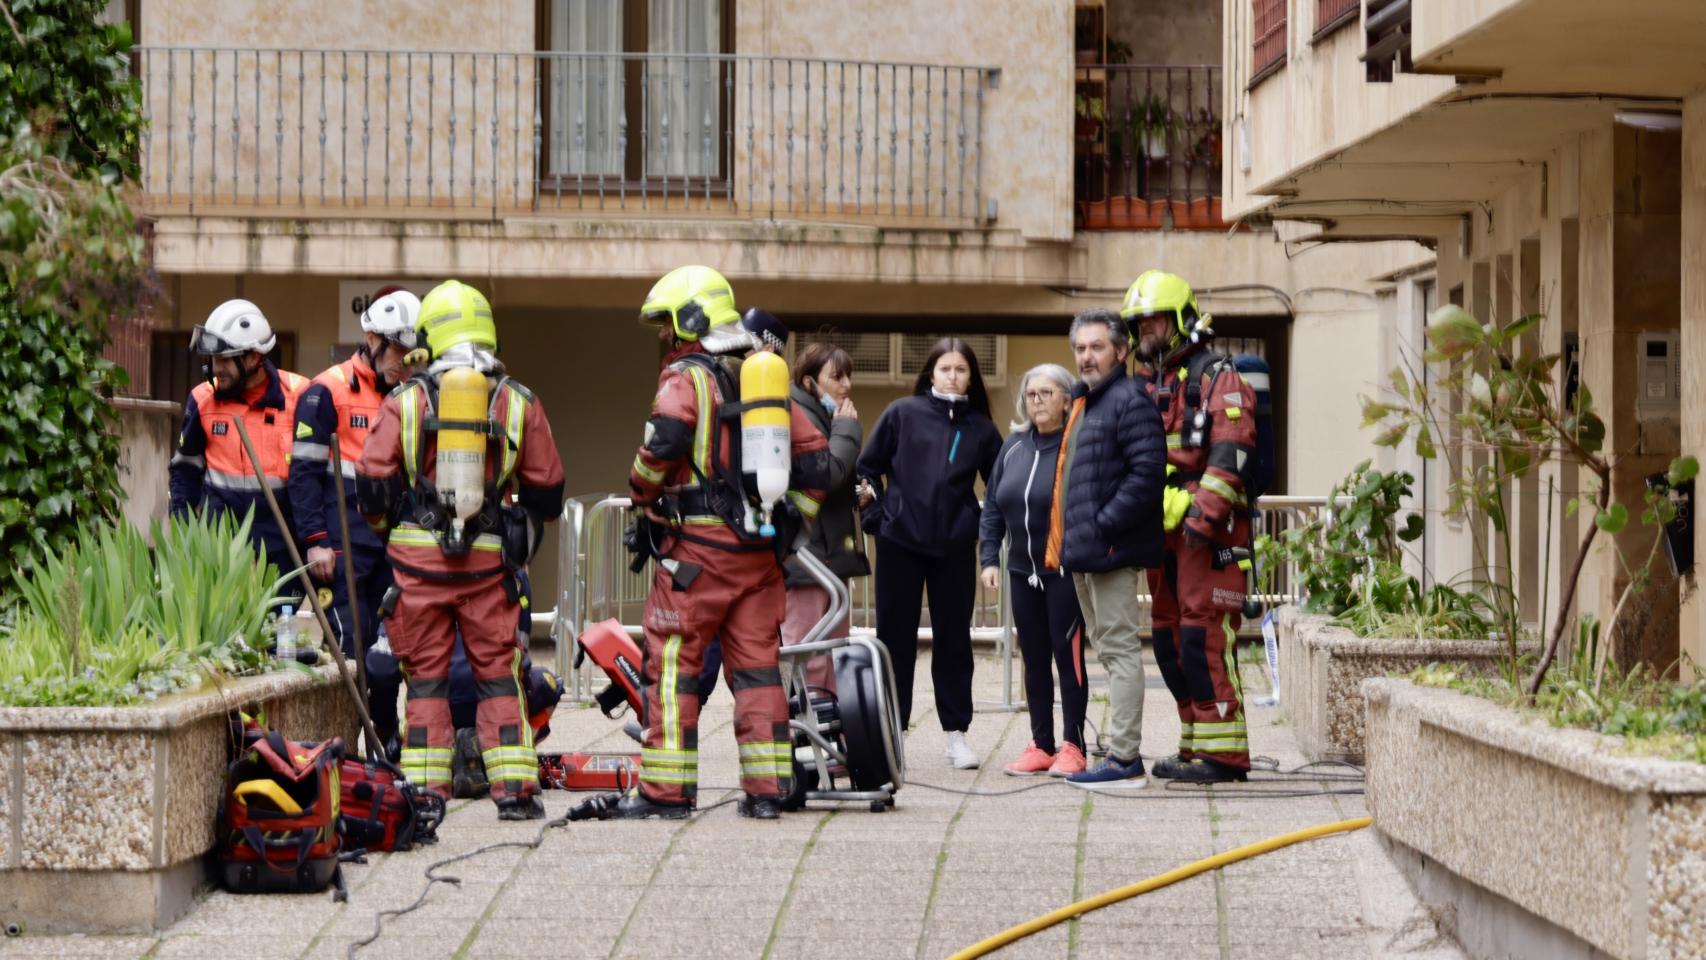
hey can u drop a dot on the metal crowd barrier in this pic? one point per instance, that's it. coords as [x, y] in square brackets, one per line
[594, 584]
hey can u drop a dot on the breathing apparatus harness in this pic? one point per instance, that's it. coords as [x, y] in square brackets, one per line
[1200, 363]
[422, 506]
[726, 493]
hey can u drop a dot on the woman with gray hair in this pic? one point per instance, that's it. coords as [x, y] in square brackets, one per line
[1045, 604]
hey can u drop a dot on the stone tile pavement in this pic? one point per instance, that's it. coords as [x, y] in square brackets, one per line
[938, 873]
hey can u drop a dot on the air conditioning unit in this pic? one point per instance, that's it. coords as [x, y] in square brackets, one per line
[896, 358]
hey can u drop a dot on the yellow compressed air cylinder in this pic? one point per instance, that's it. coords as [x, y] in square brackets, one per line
[461, 479]
[764, 436]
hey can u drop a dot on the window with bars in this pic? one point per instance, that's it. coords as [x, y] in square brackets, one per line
[1268, 28]
[1330, 15]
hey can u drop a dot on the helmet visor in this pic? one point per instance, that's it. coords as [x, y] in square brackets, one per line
[406, 339]
[1171, 316]
[209, 344]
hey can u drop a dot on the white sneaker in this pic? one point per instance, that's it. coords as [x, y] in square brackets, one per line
[960, 754]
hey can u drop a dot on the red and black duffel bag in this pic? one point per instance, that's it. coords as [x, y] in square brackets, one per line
[382, 811]
[278, 821]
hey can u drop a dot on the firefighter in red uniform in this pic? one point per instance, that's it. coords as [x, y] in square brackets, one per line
[1209, 413]
[211, 472]
[343, 401]
[716, 575]
[455, 571]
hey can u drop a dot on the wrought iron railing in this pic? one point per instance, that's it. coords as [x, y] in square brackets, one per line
[1147, 143]
[471, 134]
[594, 583]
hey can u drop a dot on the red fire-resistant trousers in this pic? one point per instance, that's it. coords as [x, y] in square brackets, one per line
[739, 597]
[423, 632]
[1196, 617]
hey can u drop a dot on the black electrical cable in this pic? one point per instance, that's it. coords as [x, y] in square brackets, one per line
[534, 844]
[433, 879]
[1174, 790]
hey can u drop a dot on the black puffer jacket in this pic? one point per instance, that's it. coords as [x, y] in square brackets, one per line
[834, 539]
[1116, 466]
[924, 456]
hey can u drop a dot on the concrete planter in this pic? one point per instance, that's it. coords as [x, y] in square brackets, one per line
[105, 812]
[1537, 841]
[1323, 666]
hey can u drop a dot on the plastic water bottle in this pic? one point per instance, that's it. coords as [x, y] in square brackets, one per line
[284, 634]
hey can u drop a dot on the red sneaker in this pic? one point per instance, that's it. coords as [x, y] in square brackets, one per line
[1032, 763]
[1068, 761]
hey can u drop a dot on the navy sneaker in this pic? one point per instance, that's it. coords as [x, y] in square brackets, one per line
[1111, 774]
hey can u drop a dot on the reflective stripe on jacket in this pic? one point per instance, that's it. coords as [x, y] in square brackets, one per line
[211, 472]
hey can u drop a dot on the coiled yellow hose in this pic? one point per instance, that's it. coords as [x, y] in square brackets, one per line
[1082, 907]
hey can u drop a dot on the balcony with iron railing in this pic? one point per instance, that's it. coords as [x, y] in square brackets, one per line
[251, 132]
[1147, 147]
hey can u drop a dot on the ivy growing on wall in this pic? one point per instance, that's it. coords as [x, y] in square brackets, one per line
[71, 260]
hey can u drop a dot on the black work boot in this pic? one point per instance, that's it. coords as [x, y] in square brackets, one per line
[468, 767]
[1210, 771]
[759, 808]
[521, 808]
[635, 806]
[1169, 768]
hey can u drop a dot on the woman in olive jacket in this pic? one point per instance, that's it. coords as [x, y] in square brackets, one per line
[925, 454]
[823, 384]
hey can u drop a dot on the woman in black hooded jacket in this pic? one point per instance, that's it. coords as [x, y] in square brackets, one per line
[924, 456]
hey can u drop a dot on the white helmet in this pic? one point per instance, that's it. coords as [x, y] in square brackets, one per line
[393, 317]
[234, 327]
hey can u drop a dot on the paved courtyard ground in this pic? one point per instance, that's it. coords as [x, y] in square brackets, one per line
[941, 871]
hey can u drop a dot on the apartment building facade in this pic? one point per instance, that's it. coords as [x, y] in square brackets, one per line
[1550, 154]
[876, 173]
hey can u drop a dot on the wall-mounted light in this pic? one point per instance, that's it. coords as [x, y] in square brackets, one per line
[1649, 119]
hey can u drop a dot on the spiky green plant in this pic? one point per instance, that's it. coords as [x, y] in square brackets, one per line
[109, 621]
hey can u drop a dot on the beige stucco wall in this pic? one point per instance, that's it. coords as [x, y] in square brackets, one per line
[1319, 102]
[1439, 22]
[148, 436]
[1692, 627]
[1028, 168]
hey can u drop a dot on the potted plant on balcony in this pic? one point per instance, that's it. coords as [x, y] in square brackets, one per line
[1155, 122]
[1091, 112]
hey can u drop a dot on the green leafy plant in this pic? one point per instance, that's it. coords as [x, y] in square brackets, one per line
[107, 622]
[1089, 108]
[1348, 565]
[1653, 715]
[1515, 414]
[1358, 534]
[71, 259]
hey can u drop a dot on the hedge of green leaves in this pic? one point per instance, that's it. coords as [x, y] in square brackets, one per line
[71, 259]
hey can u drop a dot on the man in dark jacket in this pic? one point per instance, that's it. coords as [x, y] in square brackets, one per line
[1105, 526]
